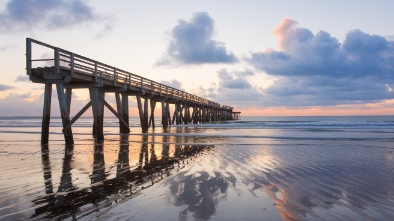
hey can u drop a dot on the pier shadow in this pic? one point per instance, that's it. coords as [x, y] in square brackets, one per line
[66, 200]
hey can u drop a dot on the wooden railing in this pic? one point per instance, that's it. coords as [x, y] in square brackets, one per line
[66, 60]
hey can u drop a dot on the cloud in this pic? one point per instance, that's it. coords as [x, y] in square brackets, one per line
[55, 14]
[31, 104]
[316, 69]
[235, 80]
[17, 105]
[390, 37]
[192, 43]
[234, 89]
[173, 83]
[107, 28]
[6, 47]
[22, 78]
[4, 87]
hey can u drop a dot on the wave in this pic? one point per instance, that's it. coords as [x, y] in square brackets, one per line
[230, 124]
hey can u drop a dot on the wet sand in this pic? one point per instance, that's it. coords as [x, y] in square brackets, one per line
[195, 174]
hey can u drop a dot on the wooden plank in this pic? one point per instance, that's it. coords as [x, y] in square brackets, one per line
[83, 85]
[46, 114]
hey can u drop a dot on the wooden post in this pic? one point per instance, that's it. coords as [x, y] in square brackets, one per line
[68, 135]
[72, 64]
[57, 61]
[187, 114]
[118, 104]
[203, 116]
[125, 111]
[152, 113]
[28, 56]
[168, 113]
[146, 119]
[97, 109]
[143, 120]
[194, 115]
[68, 95]
[189, 117]
[164, 119]
[101, 121]
[180, 110]
[115, 76]
[46, 114]
[140, 111]
[176, 114]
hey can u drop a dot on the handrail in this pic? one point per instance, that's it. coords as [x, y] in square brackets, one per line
[64, 59]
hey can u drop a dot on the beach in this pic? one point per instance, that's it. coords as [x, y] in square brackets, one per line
[256, 168]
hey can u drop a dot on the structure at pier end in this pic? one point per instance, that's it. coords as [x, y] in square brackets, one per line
[67, 71]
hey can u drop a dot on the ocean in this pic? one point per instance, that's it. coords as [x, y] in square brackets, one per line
[255, 168]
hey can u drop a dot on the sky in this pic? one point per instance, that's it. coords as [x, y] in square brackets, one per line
[273, 58]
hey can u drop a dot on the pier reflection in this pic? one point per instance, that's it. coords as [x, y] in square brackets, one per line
[155, 162]
[46, 167]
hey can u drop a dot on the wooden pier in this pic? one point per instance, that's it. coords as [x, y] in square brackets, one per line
[67, 71]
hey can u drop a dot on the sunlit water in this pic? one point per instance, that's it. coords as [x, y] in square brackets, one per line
[256, 168]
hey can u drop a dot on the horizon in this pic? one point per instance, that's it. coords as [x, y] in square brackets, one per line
[159, 116]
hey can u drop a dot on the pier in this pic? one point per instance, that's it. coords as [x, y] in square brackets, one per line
[69, 71]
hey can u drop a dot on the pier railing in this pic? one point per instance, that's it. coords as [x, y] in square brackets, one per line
[74, 63]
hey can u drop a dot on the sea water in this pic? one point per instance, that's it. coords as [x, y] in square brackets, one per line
[255, 168]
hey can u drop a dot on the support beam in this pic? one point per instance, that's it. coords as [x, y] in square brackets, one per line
[68, 135]
[143, 112]
[122, 122]
[68, 95]
[164, 119]
[118, 103]
[168, 113]
[152, 113]
[46, 114]
[146, 119]
[181, 115]
[79, 114]
[125, 111]
[97, 109]
[176, 113]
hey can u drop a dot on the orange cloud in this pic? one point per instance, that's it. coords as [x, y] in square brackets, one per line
[283, 29]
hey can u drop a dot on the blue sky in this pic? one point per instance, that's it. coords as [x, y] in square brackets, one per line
[262, 57]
